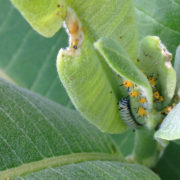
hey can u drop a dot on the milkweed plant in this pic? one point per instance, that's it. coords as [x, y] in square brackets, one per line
[116, 79]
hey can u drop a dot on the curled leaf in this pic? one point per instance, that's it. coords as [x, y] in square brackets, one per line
[177, 68]
[44, 16]
[155, 61]
[169, 129]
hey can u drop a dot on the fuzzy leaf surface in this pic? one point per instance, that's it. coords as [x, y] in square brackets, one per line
[177, 68]
[40, 139]
[44, 16]
[117, 58]
[159, 18]
[97, 98]
[155, 61]
[170, 127]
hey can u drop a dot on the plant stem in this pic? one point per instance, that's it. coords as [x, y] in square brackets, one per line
[146, 149]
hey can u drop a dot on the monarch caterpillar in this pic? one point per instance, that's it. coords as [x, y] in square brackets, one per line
[127, 115]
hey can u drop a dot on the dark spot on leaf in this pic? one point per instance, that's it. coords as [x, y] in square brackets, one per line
[120, 37]
[138, 60]
[58, 5]
[110, 92]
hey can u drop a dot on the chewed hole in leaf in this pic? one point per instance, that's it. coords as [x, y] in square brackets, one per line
[74, 29]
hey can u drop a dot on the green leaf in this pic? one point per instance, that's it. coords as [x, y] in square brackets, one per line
[125, 141]
[33, 129]
[44, 16]
[96, 170]
[80, 63]
[38, 136]
[155, 61]
[28, 59]
[90, 90]
[169, 165]
[118, 60]
[160, 18]
[177, 68]
[170, 126]
[112, 19]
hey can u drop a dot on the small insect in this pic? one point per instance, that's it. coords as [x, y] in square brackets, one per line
[142, 100]
[127, 115]
[152, 81]
[174, 104]
[134, 93]
[167, 109]
[156, 95]
[141, 112]
[128, 84]
[176, 99]
[161, 98]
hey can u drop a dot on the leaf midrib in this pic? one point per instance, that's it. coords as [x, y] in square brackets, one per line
[57, 161]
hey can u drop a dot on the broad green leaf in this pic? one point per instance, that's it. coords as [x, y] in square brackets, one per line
[160, 18]
[155, 61]
[125, 141]
[89, 88]
[117, 58]
[115, 23]
[28, 59]
[34, 129]
[94, 170]
[114, 19]
[40, 139]
[44, 16]
[170, 127]
[177, 68]
[81, 65]
[169, 165]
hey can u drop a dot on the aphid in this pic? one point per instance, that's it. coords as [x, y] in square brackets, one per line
[141, 112]
[128, 84]
[167, 109]
[127, 115]
[134, 93]
[176, 99]
[156, 95]
[161, 98]
[152, 81]
[142, 100]
[174, 104]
